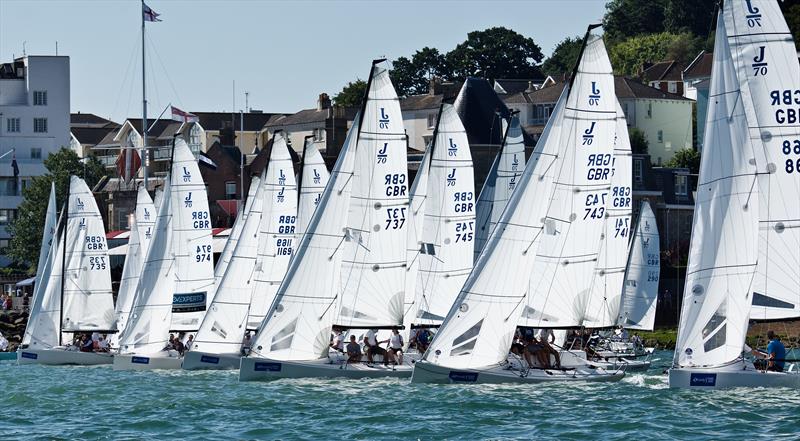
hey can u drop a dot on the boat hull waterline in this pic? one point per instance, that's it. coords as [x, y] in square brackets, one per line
[426, 372]
[208, 361]
[254, 368]
[139, 362]
[60, 357]
[738, 375]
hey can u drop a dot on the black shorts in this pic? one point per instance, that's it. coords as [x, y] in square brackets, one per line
[775, 368]
[377, 350]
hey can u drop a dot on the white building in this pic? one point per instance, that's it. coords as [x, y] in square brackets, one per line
[34, 122]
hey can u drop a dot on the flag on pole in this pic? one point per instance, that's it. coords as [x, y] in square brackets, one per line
[183, 116]
[149, 14]
[14, 165]
[123, 170]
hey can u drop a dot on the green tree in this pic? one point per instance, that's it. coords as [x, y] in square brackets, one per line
[693, 16]
[686, 158]
[411, 77]
[630, 55]
[495, 53]
[629, 18]
[791, 12]
[564, 57]
[639, 143]
[352, 94]
[26, 230]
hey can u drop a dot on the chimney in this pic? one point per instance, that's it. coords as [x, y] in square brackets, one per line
[323, 102]
[531, 87]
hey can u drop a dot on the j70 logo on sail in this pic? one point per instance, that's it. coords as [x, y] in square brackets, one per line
[759, 65]
[515, 163]
[512, 183]
[382, 156]
[453, 149]
[383, 121]
[187, 177]
[188, 201]
[80, 204]
[146, 214]
[316, 176]
[753, 17]
[281, 178]
[594, 97]
[451, 178]
[588, 134]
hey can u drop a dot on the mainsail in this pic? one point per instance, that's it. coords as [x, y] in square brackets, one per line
[605, 294]
[500, 183]
[277, 230]
[638, 307]
[724, 248]
[765, 58]
[178, 273]
[374, 265]
[298, 323]
[448, 230]
[314, 178]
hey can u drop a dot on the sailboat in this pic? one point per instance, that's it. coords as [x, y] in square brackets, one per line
[76, 294]
[314, 177]
[473, 343]
[500, 183]
[141, 232]
[257, 266]
[447, 237]
[350, 267]
[178, 273]
[744, 242]
[638, 306]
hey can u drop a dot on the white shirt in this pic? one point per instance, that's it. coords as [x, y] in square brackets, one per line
[103, 344]
[189, 344]
[544, 335]
[396, 341]
[337, 341]
[371, 339]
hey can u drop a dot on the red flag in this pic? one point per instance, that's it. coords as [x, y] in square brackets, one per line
[122, 166]
[183, 116]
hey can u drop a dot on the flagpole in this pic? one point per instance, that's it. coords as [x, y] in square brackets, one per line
[144, 109]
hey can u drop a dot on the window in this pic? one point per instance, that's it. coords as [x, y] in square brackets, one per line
[230, 189]
[12, 125]
[4, 243]
[8, 187]
[431, 120]
[7, 216]
[40, 125]
[638, 171]
[672, 87]
[36, 153]
[681, 185]
[122, 219]
[39, 97]
[319, 135]
[656, 84]
[660, 136]
[649, 110]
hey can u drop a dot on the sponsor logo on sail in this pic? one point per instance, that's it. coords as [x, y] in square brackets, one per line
[189, 302]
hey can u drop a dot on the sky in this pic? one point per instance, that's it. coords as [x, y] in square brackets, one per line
[284, 53]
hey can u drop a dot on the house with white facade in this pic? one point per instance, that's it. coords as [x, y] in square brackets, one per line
[34, 122]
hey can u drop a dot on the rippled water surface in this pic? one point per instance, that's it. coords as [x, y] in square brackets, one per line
[96, 402]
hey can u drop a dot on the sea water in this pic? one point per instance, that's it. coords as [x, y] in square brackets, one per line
[45, 402]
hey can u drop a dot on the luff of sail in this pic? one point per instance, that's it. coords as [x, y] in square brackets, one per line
[724, 245]
[768, 72]
[88, 303]
[605, 295]
[277, 230]
[223, 326]
[374, 264]
[565, 261]
[418, 196]
[233, 238]
[448, 231]
[500, 183]
[298, 323]
[638, 306]
[315, 177]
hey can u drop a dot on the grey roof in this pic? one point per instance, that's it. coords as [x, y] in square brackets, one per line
[700, 67]
[91, 136]
[253, 121]
[89, 120]
[512, 86]
[663, 71]
[306, 116]
[625, 88]
[421, 102]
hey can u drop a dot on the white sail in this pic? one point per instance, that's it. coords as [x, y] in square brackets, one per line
[638, 307]
[141, 232]
[298, 324]
[500, 183]
[374, 266]
[178, 273]
[564, 268]
[157, 198]
[314, 179]
[223, 327]
[605, 295]
[88, 302]
[277, 230]
[48, 231]
[448, 231]
[418, 196]
[233, 238]
[724, 248]
[768, 72]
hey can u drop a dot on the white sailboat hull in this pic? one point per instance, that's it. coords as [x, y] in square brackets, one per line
[738, 375]
[204, 360]
[138, 362]
[426, 372]
[253, 369]
[60, 357]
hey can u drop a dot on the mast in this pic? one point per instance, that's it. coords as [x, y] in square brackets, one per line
[144, 109]
[302, 166]
[63, 265]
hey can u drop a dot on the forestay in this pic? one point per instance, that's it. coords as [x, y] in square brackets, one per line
[724, 245]
[88, 303]
[638, 308]
[500, 183]
[298, 324]
[223, 326]
[605, 293]
[565, 261]
[277, 230]
[314, 178]
[768, 72]
[448, 231]
[236, 231]
[374, 264]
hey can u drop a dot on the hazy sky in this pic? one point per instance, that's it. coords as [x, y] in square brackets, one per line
[283, 52]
